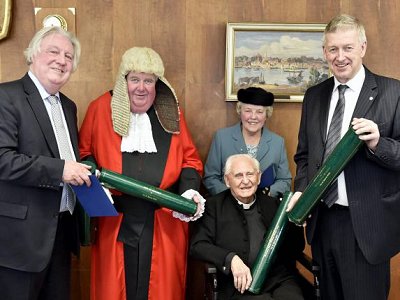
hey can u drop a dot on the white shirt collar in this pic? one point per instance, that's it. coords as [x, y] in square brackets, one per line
[355, 83]
[42, 91]
[246, 205]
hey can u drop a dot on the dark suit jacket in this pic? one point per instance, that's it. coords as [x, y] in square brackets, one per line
[223, 229]
[30, 176]
[372, 180]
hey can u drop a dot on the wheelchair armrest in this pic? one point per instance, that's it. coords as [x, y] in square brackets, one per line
[307, 262]
[210, 268]
[211, 283]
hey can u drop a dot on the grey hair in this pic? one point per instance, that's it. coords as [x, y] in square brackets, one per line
[230, 160]
[34, 45]
[345, 22]
[268, 109]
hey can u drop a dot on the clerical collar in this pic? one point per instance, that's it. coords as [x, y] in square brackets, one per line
[246, 205]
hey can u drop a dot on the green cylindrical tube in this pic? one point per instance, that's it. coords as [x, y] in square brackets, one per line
[330, 170]
[269, 249]
[147, 192]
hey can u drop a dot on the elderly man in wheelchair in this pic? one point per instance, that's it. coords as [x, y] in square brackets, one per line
[230, 234]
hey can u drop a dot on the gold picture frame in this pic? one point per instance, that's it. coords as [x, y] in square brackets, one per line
[5, 17]
[284, 59]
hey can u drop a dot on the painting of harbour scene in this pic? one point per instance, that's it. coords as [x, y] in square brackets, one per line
[285, 59]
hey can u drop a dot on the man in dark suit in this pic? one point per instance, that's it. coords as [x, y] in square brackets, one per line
[37, 230]
[231, 232]
[354, 239]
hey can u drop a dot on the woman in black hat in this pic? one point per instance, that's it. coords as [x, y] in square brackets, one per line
[251, 136]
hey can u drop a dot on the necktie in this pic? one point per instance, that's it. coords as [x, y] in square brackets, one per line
[63, 146]
[333, 139]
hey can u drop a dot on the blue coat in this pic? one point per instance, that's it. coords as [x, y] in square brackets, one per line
[229, 141]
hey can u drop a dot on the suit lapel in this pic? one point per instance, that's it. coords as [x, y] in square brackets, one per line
[238, 140]
[325, 99]
[39, 109]
[71, 123]
[367, 95]
[263, 145]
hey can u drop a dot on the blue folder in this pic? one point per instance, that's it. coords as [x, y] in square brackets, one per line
[267, 177]
[94, 199]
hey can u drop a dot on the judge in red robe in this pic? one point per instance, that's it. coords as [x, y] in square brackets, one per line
[138, 130]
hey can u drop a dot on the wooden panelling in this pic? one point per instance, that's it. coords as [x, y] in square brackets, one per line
[190, 37]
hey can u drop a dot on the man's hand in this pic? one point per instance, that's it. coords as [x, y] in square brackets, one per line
[293, 201]
[241, 274]
[367, 131]
[76, 173]
[196, 200]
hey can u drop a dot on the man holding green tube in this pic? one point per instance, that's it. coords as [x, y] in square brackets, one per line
[354, 236]
[231, 232]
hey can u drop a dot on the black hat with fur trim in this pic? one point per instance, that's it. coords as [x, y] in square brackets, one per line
[255, 96]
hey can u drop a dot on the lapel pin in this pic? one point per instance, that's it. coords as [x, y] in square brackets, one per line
[371, 98]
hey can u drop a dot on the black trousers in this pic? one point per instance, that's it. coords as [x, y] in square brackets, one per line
[51, 283]
[345, 274]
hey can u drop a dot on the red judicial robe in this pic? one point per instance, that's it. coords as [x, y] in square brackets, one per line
[170, 235]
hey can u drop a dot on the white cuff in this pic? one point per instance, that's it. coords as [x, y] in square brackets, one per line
[189, 194]
[108, 193]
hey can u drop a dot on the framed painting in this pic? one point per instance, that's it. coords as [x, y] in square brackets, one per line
[284, 59]
[5, 17]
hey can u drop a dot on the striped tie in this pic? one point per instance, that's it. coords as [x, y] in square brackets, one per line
[63, 145]
[331, 195]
